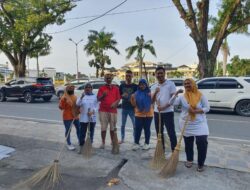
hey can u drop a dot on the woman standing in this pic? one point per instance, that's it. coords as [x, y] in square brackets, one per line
[194, 106]
[144, 112]
[88, 105]
[70, 113]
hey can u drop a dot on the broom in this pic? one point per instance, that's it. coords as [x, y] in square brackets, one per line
[48, 177]
[170, 166]
[115, 144]
[87, 147]
[159, 157]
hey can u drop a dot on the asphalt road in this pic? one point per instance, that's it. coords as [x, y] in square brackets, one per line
[221, 125]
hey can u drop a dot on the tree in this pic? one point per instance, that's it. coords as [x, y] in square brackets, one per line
[98, 45]
[175, 74]
[139, 47]
[239, 67]
[233, 16]
[22, 24]
[40, 52]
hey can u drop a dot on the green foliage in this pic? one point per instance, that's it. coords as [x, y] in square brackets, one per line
[175, 74]
[218, 69]
[22, 23]
[98, 44]
[239, 67]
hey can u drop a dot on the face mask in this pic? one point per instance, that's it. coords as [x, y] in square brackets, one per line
[70, 92]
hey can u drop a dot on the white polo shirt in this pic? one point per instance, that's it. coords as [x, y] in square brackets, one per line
[166, 89]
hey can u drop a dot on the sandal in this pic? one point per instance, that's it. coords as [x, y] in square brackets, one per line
[188, 164]
[200, 169]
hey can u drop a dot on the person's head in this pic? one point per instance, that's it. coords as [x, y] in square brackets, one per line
[108, 77]
[129, 76]
[190, 85]
[70, 89]
[88, 88]
[160, 74]
[142, 84]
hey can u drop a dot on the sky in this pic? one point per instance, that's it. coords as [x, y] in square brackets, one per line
[162, 25]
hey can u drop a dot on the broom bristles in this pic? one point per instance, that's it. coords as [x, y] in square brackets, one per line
[170, 166]
[115, 144]
[87, 148]
[159, 156]
[48, 177]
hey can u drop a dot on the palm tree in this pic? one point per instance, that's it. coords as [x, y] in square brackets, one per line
[139, 47]
[225, 52]
[98, 45]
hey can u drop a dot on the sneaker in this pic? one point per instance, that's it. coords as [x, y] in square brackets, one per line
[200, 168]
[79, 150]
[71, 147]
[122, 141]
[102, 146]
[146, 147]
[135, 147]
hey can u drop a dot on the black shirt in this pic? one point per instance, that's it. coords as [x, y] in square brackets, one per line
[129, 89]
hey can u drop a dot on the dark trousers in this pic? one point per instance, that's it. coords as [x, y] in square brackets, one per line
[67, 124]
[142, 123]
[201, 142]
[167, 119]
[83, 131]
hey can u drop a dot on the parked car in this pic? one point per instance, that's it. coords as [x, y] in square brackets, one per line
[95, 84]
[227, 93]
[28, 88]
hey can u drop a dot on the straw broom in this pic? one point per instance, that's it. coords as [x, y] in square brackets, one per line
[170, 166]
[159, 157]
[48, 177]
[87, 147]
[115, 144]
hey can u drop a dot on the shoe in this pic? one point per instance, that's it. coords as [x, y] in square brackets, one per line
[79, 150]
[135, 147]
[146, 147]
[71, 147]
[188, 164]
[102, 146]
[200, 169]
[122, 141]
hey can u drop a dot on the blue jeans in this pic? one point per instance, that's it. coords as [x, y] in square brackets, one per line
[83, 131]
[142, 123]
[125, 114]
[67, 124]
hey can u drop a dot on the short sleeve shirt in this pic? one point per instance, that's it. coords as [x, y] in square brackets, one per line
[163, 97]
[113, 95]
[129, 89]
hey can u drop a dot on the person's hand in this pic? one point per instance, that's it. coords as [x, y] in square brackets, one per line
[125, 95]
[191, 110]
[157, 90]
[160, 108]
[180, 91]
[104, 93]
[90, 113]
[113, 105]
[83, 94]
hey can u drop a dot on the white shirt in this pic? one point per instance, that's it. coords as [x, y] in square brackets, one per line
[199, 125]
[88, 102]
[167, 89]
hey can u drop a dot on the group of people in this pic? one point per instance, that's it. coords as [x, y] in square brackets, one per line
[141, 104]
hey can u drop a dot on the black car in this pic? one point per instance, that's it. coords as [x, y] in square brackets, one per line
[28, 88]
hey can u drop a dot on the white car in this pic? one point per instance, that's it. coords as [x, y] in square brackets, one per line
[227, 93]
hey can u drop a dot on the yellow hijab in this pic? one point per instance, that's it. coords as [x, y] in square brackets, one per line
[192, 97]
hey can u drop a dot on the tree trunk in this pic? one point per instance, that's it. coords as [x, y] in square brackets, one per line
[206, 65]
[140, 68]
[224, 52]
[97, 72]
[37, 66]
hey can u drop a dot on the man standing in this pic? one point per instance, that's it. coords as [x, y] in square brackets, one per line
[162, 92]
[109, 96]
[126, 90]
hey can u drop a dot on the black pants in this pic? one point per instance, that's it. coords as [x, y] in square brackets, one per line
[167, 119]
[83, 131]
[201, 142]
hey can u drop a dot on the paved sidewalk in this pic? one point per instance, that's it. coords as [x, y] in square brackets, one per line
[38, 143]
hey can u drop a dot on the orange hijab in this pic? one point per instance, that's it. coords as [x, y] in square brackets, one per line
[193, 97]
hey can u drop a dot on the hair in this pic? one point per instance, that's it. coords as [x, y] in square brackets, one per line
[129, 72]
[88, 84]
[160, 68]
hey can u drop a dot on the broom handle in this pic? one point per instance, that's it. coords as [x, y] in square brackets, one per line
[183, 129]
[64, 144]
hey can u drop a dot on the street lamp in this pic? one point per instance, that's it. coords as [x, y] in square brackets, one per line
[76, 44]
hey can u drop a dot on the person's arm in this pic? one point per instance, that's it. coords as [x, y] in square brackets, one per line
[79, 102]
[62, 103]
[174, 100]
[154, 94]
[132, 100]
[101, 94]
[118, 97]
